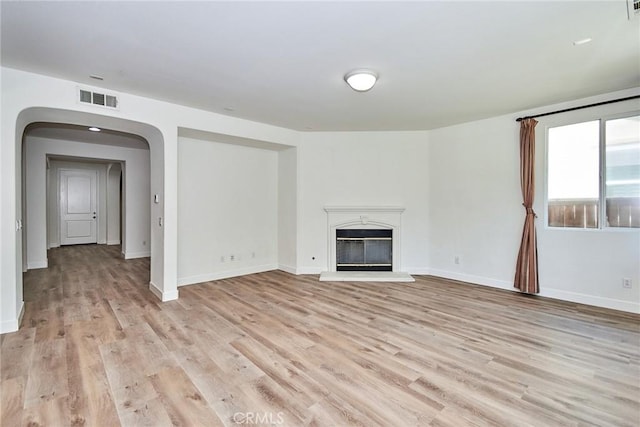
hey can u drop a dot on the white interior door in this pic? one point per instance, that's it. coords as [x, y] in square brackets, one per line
[78, 206]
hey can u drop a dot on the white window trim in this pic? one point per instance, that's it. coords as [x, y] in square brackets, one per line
[602, 118]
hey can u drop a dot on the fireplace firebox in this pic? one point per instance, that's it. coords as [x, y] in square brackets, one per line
[364, 250]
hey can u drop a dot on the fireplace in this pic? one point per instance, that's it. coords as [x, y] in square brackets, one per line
[379, 225]
[364, 244]
[364, 250]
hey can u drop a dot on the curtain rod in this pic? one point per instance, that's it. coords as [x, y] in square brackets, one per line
[519, 119]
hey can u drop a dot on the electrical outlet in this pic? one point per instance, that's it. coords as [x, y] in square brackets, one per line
[222, 259]
[232, 257]
[626, 283]
[456, 260]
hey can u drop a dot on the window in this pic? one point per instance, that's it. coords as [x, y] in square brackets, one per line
[593, 174]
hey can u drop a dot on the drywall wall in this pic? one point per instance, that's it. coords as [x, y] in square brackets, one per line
[136, 195]
[288, 210]
[114, 175]
[363, 169]
[475, 214]
[227, 210]
[475, 206]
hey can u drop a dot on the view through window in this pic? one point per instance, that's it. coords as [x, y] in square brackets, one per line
[593, 174]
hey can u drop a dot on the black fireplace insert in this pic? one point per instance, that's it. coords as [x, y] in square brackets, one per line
[364, 250]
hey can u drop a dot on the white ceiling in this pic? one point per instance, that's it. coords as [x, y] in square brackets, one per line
[283, 63]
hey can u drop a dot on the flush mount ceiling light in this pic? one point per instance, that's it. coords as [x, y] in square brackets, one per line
[361, 80]
[94, 129]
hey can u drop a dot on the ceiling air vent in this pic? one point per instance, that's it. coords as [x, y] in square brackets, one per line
[87, 96]
[633, 8]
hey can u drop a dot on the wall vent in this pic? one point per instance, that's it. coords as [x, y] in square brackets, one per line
[633, 8]
[88, 96]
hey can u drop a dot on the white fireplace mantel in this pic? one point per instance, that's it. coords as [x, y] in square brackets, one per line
[364, 217]
[364, 209]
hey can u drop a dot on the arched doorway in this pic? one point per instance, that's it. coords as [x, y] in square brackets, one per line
[156, 203]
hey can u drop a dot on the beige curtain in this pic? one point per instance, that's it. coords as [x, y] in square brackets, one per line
[527, 265]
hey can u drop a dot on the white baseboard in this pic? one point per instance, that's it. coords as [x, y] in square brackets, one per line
[597, 301]
[628, 306]
[470, 278]
[132, 255]
[113, 242]
[310, 270]
[7, 326]
[163, 296]
[288, 269]
[218, 275]
[21, 314]
[32, 265]
[12, 325]
[53, 245]
[419, 271]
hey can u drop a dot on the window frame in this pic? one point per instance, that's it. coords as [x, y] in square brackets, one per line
[602, 208]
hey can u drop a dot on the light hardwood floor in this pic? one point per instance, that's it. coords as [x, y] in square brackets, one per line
[97, 349]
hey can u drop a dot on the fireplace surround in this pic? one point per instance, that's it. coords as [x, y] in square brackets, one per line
[387, 218]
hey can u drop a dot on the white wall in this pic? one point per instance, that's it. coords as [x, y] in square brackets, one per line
[363, 169]
[288, 210]
[227, 208]
[136, 194]
[114, 172]
[475, 212]
[475, 206]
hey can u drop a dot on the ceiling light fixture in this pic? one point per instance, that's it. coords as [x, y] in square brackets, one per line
[361, 80]
[94, 129]
[96, 77]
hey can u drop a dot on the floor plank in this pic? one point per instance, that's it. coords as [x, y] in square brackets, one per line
[47, 374]
[12, 401]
